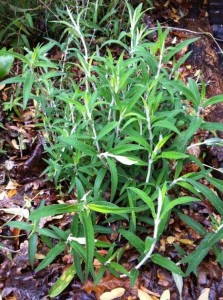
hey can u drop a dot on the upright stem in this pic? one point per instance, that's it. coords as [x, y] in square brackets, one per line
[155, 233]
[149, 127]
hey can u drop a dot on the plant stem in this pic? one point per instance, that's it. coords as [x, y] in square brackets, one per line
[155, 233]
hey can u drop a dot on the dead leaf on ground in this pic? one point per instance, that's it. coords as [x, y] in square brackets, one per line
[205, 294]
[143, 295]
[113, 294]
[165, 295]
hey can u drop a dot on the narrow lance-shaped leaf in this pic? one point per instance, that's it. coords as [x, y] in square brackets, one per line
[28, 83]
[114, 177]
[171, 155]
[178, 201]
[134, 240]
[90, 242]
[166, 124]
[111, 208]
[166, 263]
[32, 248]
[108, 128]
[192, 223]
[62, 282]
[212, 126]
[213, 100]
[51, 255]
[52, 210]
[146, 199]
[79, 145]
[207, 192]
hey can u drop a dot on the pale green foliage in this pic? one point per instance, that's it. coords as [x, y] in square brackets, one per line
[118, 138]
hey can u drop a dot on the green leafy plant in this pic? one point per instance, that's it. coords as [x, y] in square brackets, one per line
[6, 63]
[118, 137]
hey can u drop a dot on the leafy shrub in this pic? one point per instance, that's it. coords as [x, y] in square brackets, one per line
[119, 138]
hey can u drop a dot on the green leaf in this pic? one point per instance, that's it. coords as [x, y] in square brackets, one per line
[211, 126]
[133, 276]
[6, 63]
[194, 258]
[213, 100]
[46, 232]
[32, 248]
[188, 93]
[20, 225]
[166, 263]
[106, 208]
[78, 249]
[178, 201]
[16, 55]
[114, 177]
[119, 268]
[201, 251]
[218, 183]
[207, 192]
[133, 240]
[133, 136]
[51, 255]
[148, 243]
[178, 48]
[192, 223]
[52, 210]
[189, 187]
[166, 124]
[171, 155]
[90, 243]
[99, 179]
[194, 126]
[146, 199]
[109, 127]
[12, 80]
[125, 147]
[81, 146]
[28, 83]
[62, 282]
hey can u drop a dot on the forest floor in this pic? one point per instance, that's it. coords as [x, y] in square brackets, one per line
[22, 189]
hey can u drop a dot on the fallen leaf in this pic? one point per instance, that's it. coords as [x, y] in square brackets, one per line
[113, 294]
[11, 185]
[186, 242]
[3, 195]
[171, 239]
[12, 193]
[165, 295]
[204, 295]
[143, 295]
[17, 211]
